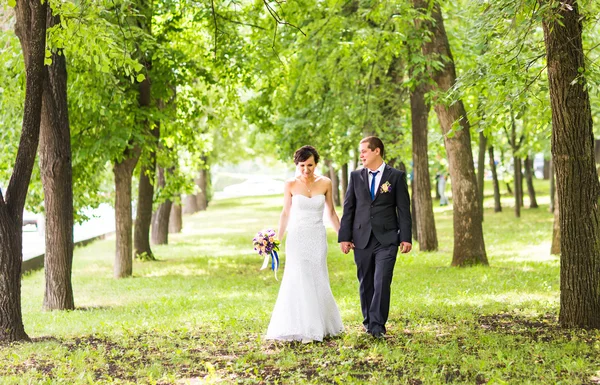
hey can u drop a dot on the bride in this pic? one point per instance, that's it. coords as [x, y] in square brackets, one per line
[305, 309]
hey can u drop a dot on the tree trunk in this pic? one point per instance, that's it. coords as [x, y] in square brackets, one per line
[344, 180]
[515, 145]
[413, 213]
[423, 205]
[11, 255]
[175, 220]
[518, 191]
[160, 224]
[143, 218]
[521, 189]
[401, 166]
[481, 166]
[190, 204]
[335, 182]
[497, 202]
[123, 171]
[529, 178]
[552, 187]
[469, 246]
[202, 196]
[30, 27]
[576, 177]
[555, 248]
[546, 169]
[57, 179]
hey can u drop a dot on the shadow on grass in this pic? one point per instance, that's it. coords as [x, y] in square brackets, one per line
[92, 308]
[231, 356]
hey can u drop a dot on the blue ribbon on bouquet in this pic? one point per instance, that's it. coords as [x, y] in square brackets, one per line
[274, 262]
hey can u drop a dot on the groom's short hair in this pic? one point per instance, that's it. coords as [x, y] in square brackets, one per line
[374, 142]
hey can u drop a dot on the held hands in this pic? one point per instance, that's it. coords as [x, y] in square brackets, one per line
[346, 247]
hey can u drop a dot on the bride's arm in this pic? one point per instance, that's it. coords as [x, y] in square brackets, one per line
[333, 217]
[285, 212]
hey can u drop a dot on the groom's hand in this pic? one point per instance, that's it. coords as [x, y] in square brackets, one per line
[346, 247]
[405, 247]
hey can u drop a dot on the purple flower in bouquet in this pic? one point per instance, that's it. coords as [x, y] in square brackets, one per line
[265, 244]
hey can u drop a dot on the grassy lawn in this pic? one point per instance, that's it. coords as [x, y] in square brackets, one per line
[198, 315]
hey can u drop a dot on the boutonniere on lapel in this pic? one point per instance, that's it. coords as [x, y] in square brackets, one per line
[385, 188]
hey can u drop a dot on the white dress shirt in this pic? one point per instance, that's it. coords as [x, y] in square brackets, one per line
[377, 177]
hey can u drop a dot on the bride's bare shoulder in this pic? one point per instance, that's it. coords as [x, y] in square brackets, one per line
[290, 183]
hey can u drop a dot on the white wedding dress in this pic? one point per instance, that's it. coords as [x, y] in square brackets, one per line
[305, 309]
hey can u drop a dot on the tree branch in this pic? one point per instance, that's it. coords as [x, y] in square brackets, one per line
[278, 18]
[214, 14]
[240, 22]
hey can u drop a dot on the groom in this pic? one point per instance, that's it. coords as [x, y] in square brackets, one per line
[376, 223]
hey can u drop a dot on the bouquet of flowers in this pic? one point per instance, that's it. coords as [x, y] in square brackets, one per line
[266, 245]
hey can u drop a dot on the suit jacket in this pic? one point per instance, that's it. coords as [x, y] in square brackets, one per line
[387, 216]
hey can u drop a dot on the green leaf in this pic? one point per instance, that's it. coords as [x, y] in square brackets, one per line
[12, 3]
[140, 78]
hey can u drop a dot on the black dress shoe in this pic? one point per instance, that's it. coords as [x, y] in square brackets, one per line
[377, 332]
[378, 336]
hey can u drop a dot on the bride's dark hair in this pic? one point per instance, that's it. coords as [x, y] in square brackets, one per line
[303, 153]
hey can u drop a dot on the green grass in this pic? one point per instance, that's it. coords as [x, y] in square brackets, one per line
[197, 316]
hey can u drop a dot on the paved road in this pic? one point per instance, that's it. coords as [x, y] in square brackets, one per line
[102, 222]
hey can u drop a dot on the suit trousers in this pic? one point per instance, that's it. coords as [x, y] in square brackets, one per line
[375, 268]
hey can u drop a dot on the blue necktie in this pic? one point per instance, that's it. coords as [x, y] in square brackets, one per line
[373, 184]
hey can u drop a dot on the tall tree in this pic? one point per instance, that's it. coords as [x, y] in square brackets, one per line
[481, 165]
[175, 220]
[190, 204]
[335, 181]
[57, 179]
[143, 218]
[344, 179]
[123, 170]
[202, 181]
[160, 222]
[469, 246]
[573, 155]
[529, 178]
[142, 13]
[426, 233]
[30, 27]
[495, 182]
[516, 144]
[151, 135]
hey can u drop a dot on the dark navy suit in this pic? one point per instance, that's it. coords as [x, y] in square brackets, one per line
[376, 227]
